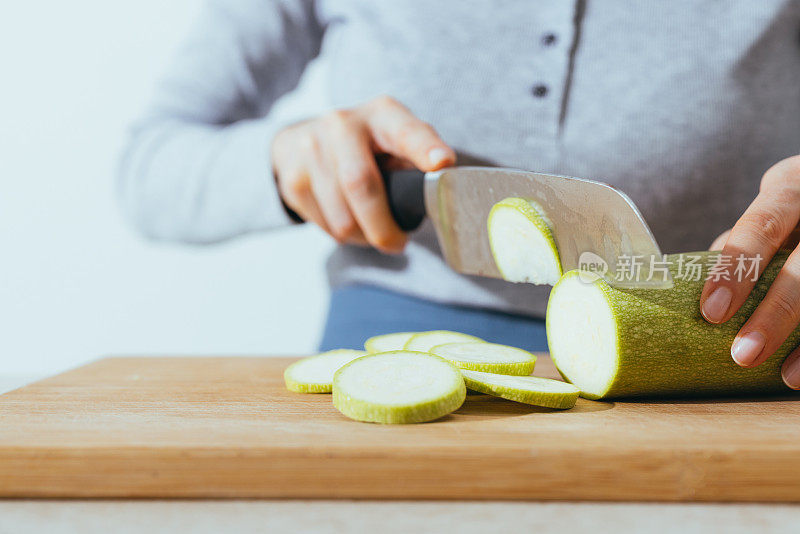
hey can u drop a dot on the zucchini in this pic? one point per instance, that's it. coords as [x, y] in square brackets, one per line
[487, 357]
[315, 373]
[387, 342]
[398, 387]
[526, 389]
[425, 341]
[614, 343]
[522, 242]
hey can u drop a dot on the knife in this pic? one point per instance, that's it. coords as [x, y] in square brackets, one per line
[595, 226]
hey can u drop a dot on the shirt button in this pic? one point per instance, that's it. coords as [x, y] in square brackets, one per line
[539, 90]
[549, 39]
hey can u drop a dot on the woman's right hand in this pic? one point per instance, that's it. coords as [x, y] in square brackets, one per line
[327, 173]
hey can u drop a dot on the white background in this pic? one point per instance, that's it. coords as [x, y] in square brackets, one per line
[75, 281]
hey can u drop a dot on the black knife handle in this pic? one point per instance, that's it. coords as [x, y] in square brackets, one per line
[405, 191]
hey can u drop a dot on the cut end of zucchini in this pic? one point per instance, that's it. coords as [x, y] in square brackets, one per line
[582, 334]
[387, 342]
[487, 357]
[398, 387]
[526, 389]
[425, 341]
[522, 242]
[315, 373]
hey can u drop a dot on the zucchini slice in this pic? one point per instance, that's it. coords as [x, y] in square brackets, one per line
[425, 341]
[315, 373]
[522, 242]
[526, 389]
[487, 357]
[387, 342]
[398, 387]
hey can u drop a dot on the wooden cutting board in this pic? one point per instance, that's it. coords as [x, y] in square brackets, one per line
[226, 427]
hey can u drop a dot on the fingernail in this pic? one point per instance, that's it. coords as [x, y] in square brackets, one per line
[790, 372]
[746, 348]
[716, 305]
[438, 155]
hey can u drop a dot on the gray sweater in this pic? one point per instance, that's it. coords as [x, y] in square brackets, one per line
[681, 104]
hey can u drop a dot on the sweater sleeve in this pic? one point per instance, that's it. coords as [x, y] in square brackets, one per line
[196, 167]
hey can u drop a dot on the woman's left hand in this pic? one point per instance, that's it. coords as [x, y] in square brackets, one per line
[768, 224]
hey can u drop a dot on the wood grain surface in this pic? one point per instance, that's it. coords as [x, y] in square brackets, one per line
[227, 427]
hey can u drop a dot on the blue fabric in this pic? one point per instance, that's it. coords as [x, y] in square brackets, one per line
[359, 312]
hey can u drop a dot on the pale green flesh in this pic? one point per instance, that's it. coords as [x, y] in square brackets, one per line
[398, 387]
[315, 373]
[387, 342]
[615, 343]
[488, 357]
[526, 389]
[583, 335]
[425, 341]
[522, 242]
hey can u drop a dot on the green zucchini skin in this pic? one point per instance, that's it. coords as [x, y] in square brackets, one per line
[666, 348]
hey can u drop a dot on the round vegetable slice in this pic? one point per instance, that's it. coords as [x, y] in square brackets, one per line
[487, 357]
[387, 342]
[526, 389]
[315, 373]
[425, 341]
[398, 387]
[522, 242]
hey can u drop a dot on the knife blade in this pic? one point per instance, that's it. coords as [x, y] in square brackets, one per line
[595, 226]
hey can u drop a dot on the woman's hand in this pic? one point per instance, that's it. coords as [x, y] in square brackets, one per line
[770, 223]
[327, 173]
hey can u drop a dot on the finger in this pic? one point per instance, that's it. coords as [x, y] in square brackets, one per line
[295, 189]
[755, 238]
[397, 131]
[774, 318]
[792, 241]
[362, 185]
[790, 370]
[330, 199]
[720, 241]
[358, 239]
